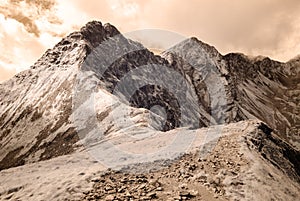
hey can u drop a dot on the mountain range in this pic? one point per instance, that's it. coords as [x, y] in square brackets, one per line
[232, 123]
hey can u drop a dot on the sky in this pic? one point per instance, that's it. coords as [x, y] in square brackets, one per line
[254, 27]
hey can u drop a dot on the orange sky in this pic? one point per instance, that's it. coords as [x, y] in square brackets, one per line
[254, 27]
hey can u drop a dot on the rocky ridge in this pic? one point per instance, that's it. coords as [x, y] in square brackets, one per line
[228, 172]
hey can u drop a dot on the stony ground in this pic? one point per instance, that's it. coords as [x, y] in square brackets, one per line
[231, 171]
[185, 180]
[189, 178]
[236, 168]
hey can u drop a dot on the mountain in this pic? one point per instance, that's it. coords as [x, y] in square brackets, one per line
[64, 121]
[255, 88]
[36, 104]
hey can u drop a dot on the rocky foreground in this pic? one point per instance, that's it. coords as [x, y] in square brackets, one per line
[237, 168]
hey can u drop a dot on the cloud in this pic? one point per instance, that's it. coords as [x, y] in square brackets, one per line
[5, 74]
[257, 27]
[27, 22]
[26, 31]
[41, 5]
[19, 48]
[253, 27]
[27, 12]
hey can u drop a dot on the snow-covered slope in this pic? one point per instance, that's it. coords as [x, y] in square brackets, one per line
[36, 104]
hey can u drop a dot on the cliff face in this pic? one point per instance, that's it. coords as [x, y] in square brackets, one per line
[246, 88]
[268, 90]
[190, 85]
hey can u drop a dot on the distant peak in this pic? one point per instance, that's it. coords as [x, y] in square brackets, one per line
[253, 59]
[194, 43]
[204, 45]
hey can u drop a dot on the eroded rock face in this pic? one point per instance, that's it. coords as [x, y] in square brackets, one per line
[250, 88]
[267, 90]
[276, 151]
[135, 74]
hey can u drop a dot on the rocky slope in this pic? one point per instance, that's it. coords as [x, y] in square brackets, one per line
[254, 87]
[36, 104]
[96, 89]
[237, 168]
[268, 90]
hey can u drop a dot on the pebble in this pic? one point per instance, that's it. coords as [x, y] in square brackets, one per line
[110, 197]
[183, 186]
[151, 195]
[159, 189]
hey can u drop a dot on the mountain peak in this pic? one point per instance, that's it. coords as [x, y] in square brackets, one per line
[192, 44]
[204, 45]
[77, 45]
[94, 32]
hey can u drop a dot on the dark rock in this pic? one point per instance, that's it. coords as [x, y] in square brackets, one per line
[281, 154]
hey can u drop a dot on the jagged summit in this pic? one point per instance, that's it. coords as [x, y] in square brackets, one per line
[94, 32]
[207, 47]
[252, 59]
[194, 43]
[73, 49]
